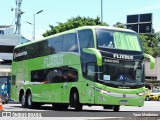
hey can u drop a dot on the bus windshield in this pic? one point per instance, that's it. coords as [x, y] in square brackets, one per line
[128, 73]
[118, 40]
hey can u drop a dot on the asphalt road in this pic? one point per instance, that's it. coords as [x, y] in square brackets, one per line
[148, 106]
[88, 113]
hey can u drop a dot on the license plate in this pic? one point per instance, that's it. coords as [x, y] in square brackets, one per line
[123, 102]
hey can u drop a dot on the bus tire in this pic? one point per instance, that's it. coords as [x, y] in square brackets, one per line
[30, 104]
[108, 107]
[116, 108]
[74, 101]
[147, 98]
[23, 100]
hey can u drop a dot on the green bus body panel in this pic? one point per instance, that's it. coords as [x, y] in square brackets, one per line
[95, 52]
[152, 60]
[89, 91]
[23, 69]
[59, 92]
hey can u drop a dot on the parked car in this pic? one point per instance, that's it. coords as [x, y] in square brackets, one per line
[155, 95]
[147, 94]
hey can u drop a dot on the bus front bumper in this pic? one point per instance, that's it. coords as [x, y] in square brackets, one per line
[119, 99]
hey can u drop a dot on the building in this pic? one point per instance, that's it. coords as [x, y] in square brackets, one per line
[8, 40]
[152, 77]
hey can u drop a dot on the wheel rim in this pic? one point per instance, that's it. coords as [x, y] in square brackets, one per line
[75, 97]
[29, 100]
[147, 98]
[23, 100]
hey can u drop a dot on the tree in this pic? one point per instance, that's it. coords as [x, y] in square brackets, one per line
[150, 44]
[73, 23]
[119, 25]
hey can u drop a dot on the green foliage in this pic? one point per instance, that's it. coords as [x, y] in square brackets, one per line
[73, 23]
[119, 25]
[150, 44]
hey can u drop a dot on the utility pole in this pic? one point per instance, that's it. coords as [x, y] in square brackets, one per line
[18, 14]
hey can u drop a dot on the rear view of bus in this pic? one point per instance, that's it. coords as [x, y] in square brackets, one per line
[120, 68]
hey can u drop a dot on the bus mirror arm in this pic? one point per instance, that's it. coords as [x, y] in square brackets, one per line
[152, 60]
[96, 53]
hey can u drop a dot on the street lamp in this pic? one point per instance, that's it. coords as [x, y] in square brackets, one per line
[101, 11]
[34, 23]
[29, 23]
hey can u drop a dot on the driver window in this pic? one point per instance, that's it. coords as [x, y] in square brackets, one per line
[105, 39]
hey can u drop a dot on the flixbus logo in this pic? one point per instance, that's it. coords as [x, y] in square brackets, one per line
[53, 60]
[121, 56]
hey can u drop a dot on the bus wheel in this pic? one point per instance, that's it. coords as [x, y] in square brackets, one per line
[147, 98]
[116, 108]
[23, 100]
[74, 101]
[29, 100]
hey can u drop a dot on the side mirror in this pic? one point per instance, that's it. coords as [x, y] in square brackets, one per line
[152, 60]
[95, 52]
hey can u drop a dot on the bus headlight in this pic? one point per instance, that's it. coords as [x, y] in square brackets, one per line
[105, 92]
[141, 94]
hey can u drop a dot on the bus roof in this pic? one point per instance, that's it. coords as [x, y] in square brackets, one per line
[80, 28]
[106, 27]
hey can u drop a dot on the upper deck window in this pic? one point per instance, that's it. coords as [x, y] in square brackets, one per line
[86, 39]
[118, 40]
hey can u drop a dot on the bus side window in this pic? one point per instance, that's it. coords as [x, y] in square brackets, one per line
[70, 43]
[85, 39]
[72, 75]
[90, 71]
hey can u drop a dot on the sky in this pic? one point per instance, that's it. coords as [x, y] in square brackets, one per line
[61, 10]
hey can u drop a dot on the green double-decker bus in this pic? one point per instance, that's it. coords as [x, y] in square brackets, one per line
[91, 65]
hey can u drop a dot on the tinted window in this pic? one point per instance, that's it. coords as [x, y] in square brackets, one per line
[47, 47]
[118, 40]
[55, 75]
[105, 38]
[91, 71]
[86, 39]
[55, 44]
[39, 49]
[72, 75]
[70, 43]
